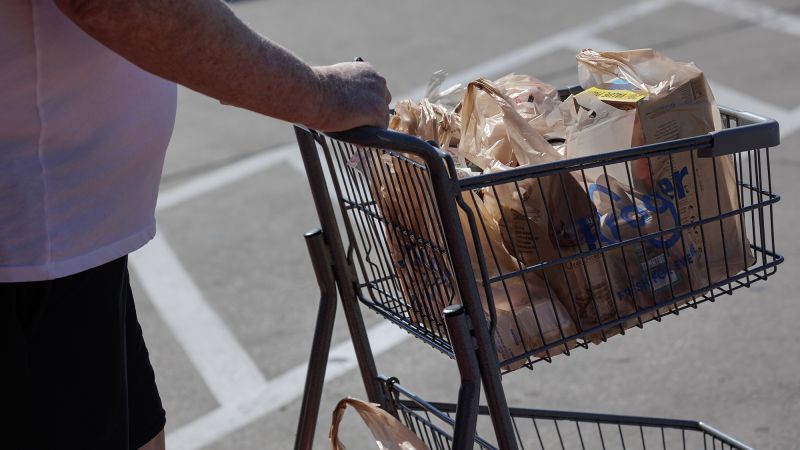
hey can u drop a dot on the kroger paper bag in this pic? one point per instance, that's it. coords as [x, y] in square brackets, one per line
[389, 433]
[678, 103]
[533, 320]
[636, 271]
[595, 127]
[528, 314]
[649, 269]
[415, 246]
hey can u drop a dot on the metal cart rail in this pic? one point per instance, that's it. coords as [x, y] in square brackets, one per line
[461, 263]
[535, 428]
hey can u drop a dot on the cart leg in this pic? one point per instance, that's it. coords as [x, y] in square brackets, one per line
[486, 353]
[469, 393]
[317, 362]
[342, 269]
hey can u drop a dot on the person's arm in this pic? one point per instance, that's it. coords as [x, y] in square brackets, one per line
[202, 45]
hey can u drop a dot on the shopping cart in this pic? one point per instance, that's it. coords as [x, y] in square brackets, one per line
[505, 270]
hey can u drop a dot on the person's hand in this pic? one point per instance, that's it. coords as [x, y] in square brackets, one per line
[351, 95]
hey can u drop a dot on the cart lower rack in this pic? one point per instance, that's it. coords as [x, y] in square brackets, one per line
[543, 429]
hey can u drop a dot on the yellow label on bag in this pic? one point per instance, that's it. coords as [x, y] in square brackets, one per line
[617, 95]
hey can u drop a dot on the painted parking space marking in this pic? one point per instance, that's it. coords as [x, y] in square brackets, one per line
[278, 392]
[223, 176]
[510, 60]
[223, 364]
[758, 13]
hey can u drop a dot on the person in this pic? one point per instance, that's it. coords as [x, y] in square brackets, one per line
[89, 98]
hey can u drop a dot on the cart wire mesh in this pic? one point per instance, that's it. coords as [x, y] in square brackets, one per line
[565, 254]
[387, 240]
[544, 429]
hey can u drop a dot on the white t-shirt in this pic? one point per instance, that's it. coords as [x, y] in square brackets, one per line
[83, 134]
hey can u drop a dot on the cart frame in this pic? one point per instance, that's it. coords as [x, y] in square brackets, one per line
[469, 338]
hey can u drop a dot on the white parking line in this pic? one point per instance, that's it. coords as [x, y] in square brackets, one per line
[227, 370]
[232, 173]
[756, 12]
[279, 392]
[223, 176]
[518, 57]
[791, 123]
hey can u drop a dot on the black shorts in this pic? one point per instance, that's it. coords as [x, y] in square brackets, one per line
[75, 371]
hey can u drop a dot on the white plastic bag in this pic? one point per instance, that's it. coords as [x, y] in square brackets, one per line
[543, 218]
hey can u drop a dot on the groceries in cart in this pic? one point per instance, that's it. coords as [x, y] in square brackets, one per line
[652, 99]
[587, 252]
[536, 217]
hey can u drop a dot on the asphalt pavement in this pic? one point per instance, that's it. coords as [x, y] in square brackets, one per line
[226, 294]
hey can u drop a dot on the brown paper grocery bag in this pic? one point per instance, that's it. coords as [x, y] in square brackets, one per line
[678, 103]
[404, 199]
[425, 274]
[389, 433]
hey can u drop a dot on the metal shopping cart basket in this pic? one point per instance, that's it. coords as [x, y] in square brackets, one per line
[504, 270]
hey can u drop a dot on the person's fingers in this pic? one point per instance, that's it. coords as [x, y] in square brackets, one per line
[384, 122]
[356, 95]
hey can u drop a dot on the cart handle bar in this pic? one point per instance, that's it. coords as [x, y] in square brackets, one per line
[754, 132]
